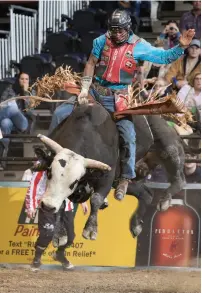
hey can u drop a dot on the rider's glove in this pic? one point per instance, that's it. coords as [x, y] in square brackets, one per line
[85, 85]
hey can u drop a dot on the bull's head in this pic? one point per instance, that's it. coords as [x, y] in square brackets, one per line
[67, 169]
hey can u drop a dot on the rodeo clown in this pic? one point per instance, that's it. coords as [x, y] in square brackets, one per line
[47, 221]
[112, 66]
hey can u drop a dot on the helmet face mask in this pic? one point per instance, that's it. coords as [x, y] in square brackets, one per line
[118, 35]
[119, 26]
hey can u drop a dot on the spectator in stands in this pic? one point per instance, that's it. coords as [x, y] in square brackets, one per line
[153, 71]
[192, 19]
[192, 171]
[190, 93]
[170, 35]
[186, 66]
[11, 116]
[127, 5]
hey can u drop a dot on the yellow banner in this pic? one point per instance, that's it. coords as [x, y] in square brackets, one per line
[114, 245]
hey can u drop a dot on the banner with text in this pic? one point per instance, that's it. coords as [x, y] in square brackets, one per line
[114, 245]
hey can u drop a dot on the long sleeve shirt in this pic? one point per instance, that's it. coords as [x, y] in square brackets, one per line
[188, 96]
[143, 51]
[169, 42]
[9, 93]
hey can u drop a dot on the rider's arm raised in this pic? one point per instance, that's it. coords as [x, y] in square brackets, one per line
[144, 51]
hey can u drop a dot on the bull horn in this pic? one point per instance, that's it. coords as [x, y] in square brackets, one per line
[96, 164]
[51, 143]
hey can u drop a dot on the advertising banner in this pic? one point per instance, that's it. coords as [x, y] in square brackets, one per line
[114, 245]
[170, 238]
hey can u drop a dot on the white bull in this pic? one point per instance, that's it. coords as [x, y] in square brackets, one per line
[67, 169]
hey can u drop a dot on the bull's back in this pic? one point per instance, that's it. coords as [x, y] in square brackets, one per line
[90, 132]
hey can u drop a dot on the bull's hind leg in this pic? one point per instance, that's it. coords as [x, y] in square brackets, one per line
[173, 159]
[101, 190]
[144, 196]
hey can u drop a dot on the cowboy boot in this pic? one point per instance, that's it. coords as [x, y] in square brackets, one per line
[59, 256]
[36, 263]
[121, 189]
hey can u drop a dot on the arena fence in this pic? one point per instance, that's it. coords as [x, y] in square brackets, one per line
[50, 16]
[20, 41]
[23, 32]
[5, 54]
[28, 30]
[34, 137]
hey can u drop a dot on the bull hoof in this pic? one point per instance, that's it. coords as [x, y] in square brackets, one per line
[90, 235]
[86, 234]
[93, 235]
[136, 230]
[104, 206]
[163, 205]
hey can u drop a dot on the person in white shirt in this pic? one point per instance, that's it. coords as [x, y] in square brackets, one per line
[190, 93]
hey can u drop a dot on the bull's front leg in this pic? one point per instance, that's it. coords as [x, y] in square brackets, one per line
[101, 189]
[90, 229]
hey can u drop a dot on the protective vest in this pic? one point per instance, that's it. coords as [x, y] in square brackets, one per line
[117, 64]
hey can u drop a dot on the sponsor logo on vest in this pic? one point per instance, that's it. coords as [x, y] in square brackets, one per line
[129, 64]
[129, 54]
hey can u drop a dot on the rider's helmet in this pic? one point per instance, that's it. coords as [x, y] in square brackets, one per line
[119, 26]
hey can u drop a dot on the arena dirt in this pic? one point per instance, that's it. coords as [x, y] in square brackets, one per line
[118, 281]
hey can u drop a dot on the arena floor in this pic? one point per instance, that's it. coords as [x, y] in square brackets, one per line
[118, 281]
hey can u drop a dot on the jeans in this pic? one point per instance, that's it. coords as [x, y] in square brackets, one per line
[60, 113]
[11, 118]
[125, 128]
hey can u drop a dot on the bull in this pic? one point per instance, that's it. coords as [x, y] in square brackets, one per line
[87, 138]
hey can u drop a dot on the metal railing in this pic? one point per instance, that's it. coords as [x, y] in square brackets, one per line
[50, 16]
[5, 54]
[23, 38]
[23, 32]
[34, 137]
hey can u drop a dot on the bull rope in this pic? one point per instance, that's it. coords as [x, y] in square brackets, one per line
[35, 98]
